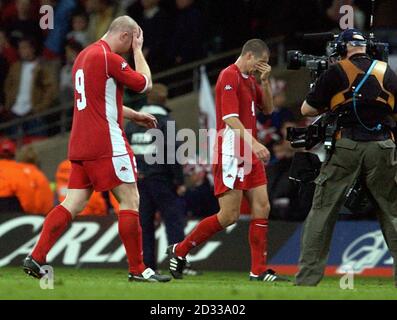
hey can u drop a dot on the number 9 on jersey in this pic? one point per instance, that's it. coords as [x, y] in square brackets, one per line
[79, 86]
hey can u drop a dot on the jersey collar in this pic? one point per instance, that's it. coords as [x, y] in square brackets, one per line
[105, 44]
[243, 75]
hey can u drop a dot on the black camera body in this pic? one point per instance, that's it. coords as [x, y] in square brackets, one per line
[335, 50]
[307, 137]
[296, 59]
[321, 130]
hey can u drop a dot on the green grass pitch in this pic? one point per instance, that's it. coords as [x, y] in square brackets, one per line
[112, 284]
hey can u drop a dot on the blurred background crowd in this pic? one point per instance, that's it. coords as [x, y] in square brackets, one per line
[35, 80]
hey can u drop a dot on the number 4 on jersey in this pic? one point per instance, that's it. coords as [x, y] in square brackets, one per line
[79, 85]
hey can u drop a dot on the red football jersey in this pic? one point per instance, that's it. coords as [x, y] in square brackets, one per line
[237, 95]
[99, 76]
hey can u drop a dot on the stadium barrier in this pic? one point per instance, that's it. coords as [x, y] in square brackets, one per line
[94, 242]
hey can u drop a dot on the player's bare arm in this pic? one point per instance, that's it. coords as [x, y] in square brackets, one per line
[259, 150]
[141, 65]
[141, 118]
[267, 103]
[308, 111]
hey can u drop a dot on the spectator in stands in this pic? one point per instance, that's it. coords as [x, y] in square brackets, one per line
[199, 197]
[79, 32]
[160, 185]
[25, 23]
[269, 126]
[41, 199]
[29, 87]
[66, 89]
[101, 13]
[156, 25]
[281, 113]
[11, 188]
[8, 56]
[55, 38]
[187, 36]
[3, 73]
[7, 51]
[7, 9]
[23, 187]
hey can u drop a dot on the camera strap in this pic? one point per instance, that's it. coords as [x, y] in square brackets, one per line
[356, 91]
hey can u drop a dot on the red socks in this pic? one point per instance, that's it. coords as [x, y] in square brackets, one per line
[258, 243]
[55, 224]
[130, 232]
[203, 231]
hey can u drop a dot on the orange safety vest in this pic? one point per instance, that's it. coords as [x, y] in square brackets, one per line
[41, 200]
[28, 184]
[12, 180]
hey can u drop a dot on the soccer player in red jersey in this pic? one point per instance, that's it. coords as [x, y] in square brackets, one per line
[239, 160]
[101, 157]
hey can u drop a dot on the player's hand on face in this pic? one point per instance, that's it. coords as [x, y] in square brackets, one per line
[261, 152]
[145, 120]
[137, 39]
[264, 70]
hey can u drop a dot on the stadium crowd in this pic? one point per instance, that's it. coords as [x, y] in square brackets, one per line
[35, 64]
[35, 76]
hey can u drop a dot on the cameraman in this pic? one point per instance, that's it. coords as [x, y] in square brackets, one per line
[364, 149]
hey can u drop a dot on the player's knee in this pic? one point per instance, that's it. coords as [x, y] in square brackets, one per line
[228, 218]
[130, 202]
[234, 219]
[74, 207]
[261, 209]
[266, 208]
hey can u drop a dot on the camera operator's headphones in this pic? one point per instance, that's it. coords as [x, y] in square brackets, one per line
[352, 36]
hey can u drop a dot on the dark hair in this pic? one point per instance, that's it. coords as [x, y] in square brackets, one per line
[256, 46]
[74, 45]
[32, 42]
[158, 94]
[80, 13]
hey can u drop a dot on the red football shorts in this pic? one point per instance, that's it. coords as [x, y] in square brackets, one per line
[229, 175]
[103, 174]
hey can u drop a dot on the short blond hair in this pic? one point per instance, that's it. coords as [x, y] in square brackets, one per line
[123, 24]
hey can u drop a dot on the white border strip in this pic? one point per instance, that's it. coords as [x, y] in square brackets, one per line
[146, 84]
[230, 116]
